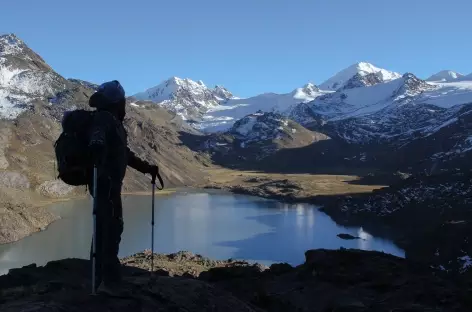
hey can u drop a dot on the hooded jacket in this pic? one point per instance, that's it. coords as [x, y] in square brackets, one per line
[108, 131]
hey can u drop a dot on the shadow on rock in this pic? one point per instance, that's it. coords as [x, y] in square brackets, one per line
[344, 280]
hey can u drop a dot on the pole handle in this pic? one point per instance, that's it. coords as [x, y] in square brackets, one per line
[153, 180]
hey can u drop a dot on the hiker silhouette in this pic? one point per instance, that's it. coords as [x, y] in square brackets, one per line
[111, 155]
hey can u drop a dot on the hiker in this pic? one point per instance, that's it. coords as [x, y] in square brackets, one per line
[110, 152]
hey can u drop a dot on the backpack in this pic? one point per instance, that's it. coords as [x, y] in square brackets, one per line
[72, 154]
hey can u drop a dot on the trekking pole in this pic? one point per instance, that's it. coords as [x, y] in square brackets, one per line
[94, 235]
[153, 181]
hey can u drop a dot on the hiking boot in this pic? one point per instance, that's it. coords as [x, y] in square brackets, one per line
[113, 290]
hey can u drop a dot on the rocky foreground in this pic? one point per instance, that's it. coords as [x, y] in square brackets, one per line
[342, 280]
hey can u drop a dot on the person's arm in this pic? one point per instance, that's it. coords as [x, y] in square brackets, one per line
[144, 167]
[137, 163]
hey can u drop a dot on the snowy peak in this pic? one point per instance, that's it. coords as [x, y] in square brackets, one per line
[171, 88]
[445, 76]
[306, 93]
[11, 45]
[24, 77]
[15, 52]
[309, 89]
[339, 80]
[189, 99]
[222, 93]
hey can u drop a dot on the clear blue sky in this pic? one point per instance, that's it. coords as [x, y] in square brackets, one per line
[249, 46]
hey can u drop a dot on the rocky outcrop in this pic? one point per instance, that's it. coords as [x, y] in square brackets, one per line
[20, 214]
[255, 137]
[285, 189]
[344, 280]
[55, 189]
[363, 81]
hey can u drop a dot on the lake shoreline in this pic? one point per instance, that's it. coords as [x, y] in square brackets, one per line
[283, 188]
[37, 207]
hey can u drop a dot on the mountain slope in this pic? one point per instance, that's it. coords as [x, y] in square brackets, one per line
[466, 78]
[24, 77]
[30, 125]
[445, 76]
[341, 78]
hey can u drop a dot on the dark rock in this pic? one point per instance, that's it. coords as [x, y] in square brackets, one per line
[231, 272]
[347, 304]
[280, 268]
[330, 280]
[347, 236]
[314, 255]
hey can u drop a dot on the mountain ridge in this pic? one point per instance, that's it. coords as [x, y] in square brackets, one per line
[445, 76]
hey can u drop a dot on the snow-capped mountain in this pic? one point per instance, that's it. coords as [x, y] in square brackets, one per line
[445, 76]
[24, 77]
[407, 114]
[216, 109]
[361, 69]
[359, 101]
[188, 98]
[222, 117]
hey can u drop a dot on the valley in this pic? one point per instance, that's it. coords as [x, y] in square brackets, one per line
[370, 145]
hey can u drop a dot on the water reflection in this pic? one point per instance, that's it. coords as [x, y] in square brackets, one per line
[365, 239]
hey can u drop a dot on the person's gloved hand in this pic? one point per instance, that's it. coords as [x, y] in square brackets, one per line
[97, 149]
[153, 170]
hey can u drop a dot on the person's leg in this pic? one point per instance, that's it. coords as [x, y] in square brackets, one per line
[103, 218]
[117, 231]
[113, 267]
